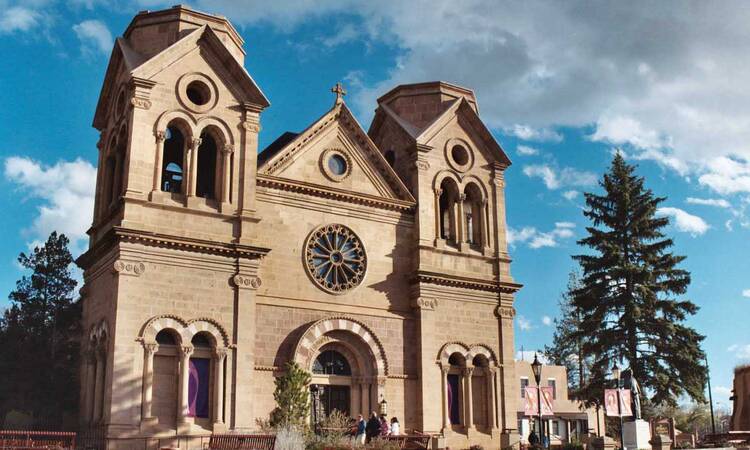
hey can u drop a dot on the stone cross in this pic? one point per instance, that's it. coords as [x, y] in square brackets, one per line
[340, 93]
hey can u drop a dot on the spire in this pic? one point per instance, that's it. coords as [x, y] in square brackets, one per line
[340, 93]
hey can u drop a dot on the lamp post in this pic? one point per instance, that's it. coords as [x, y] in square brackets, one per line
[315, 391]
[536, 367]
[616, 376]
[383, 407]
[710, 398]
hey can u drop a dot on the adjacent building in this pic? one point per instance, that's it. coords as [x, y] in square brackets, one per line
[377, 260]
[571, 421]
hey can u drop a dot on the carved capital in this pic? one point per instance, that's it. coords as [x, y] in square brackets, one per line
[186, 351]
[253, 127]
[438, 192]
[461, 197]
[228, 149]
[246, 281]
[468, 371]
[429, 304]
[128, 268]
[195, 143]
[505, 312]
[160, 136]
[445, 368]
[150, 348]
[220, 353]
[423, 164]
[141, 103]
[381, 382]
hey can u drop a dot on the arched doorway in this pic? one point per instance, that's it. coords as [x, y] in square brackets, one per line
[347, 363]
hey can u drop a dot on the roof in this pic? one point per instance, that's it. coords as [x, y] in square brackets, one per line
[275, 147]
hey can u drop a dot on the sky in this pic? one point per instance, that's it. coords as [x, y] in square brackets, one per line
[562, 85]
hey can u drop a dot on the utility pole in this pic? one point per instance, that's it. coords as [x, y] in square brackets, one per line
[710, 398]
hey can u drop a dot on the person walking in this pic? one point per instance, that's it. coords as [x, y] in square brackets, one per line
[395, 427]
[359, 438]
[373, 427]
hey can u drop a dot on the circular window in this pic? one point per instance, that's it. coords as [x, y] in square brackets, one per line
[459, 155]
[198, 93]
[335, 258]
[335, 164]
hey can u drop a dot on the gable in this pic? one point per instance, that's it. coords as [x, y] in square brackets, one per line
[306, 159]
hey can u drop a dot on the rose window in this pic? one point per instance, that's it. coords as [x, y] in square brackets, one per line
[335, 258]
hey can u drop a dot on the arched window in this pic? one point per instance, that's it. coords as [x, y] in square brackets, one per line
[473, 212]
[454, 385]
[206, 176]
[172, 161]
[331, 362]
[447, 204]
[199, 383]
[109, 183]
[165, 377]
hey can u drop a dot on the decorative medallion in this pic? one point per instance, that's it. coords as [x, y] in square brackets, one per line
[335, 258]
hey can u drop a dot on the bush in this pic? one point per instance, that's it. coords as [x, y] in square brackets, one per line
[289, 438]
[572, 446]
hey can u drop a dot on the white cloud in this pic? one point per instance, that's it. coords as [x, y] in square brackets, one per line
[740, 351]
[18, 18]
[65, 192]
[345, 34]
[525, 150]
[547, 320]
[555, 179]
[528, 355]
[570, 195]
[684, 221]
[727, 175]
[523, 323]
[718, 202]
[746, 293]
[536, 239]
[627, 130]
[527, 133]
[94, 36]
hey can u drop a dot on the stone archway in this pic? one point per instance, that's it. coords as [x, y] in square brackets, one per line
[361, 348]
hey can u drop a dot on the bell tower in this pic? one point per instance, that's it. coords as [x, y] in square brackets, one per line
[173, 260]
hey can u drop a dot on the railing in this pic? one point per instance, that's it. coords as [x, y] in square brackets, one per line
[21, 440]
[411, 441]
[241, 442]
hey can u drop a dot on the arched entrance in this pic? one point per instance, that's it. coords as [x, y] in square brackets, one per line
[347, 363]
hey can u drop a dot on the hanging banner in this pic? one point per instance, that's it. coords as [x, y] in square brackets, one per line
[531, 403]
[548, 393]
[610, 403]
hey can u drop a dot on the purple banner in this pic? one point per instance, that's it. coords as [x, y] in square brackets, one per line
[198, 387]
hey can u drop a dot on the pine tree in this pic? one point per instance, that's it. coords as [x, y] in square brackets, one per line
[39, 336]
[566, 346]
[292, 397]
[630, 294]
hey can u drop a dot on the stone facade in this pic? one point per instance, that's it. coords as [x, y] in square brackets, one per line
[211, 265]
[741, 399]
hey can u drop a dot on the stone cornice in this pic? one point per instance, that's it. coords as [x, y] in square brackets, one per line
[465, 282]
[302, 187]
[119, 234]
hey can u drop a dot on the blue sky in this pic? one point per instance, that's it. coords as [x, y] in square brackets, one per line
[561, 85]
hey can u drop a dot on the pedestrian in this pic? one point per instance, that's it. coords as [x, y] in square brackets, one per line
[385, 427]
[533, 439]
[373, 427]
[359, 438]
[395, 427]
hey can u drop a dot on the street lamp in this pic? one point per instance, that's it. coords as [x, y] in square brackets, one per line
[536, 367]
[616, 376]
[383, 407]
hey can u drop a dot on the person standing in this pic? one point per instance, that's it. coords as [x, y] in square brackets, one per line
[385, 427]
[359, 438]
[373, 427]
[395, 427]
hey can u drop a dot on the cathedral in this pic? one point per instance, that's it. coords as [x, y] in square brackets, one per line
[376, 260]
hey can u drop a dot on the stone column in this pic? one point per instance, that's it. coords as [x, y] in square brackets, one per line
[116, 178]
[446, 399]
[219, 355]
[226, 177]
[184, 380]
[438, 215]
[460, 238]
[487, 244]
[148, 381]
[192, 172]
[490, 378]
[159, 161]
[364, 388]
[468, 400]
[89, 385]
[99, 385]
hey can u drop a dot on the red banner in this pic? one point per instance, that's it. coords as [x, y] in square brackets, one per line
[530, 404]
[531, 401]
[610, 402]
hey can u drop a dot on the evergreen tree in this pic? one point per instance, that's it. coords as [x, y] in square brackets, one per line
[39, 336]
[566, 346]
[292, 397]
[630, 294]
